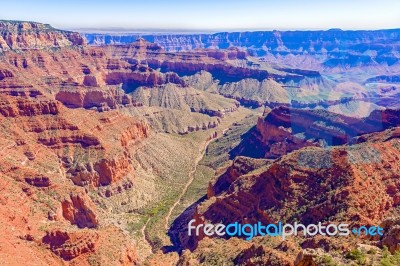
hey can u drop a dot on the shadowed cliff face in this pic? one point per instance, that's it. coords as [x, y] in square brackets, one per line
[287, 129]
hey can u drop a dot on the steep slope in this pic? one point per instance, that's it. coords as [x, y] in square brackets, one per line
[56, 162]
[347, 184]
[202, 80]
[256, 93]
[185, 98]
[355, 108]
[49, 154]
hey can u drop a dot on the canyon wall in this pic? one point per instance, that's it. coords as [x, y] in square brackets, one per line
[32, 35]
[332, 50]
[330, 41]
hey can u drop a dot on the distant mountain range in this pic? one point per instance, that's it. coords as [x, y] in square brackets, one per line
[334, 40]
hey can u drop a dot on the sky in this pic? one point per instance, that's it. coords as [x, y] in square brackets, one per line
[206, 15]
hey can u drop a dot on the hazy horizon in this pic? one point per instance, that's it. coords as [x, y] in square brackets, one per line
[116, 31]
[207, 16]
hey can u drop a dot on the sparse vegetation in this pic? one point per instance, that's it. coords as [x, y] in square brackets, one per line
[213, 259]
[389, 259]
[328, 261]
[358, 256]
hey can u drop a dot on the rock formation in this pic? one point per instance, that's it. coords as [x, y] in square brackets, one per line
[286, 129]
[189, 99]
[352, 184]
[330, 50]
[32, 35]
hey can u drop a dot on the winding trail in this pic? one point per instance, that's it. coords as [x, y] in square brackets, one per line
[191, 178]
[167, 218]
[144, 238]
[191, 175]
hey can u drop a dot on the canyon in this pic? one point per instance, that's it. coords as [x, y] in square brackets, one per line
[110, 144]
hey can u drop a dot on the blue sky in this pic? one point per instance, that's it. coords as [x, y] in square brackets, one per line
[212, 15]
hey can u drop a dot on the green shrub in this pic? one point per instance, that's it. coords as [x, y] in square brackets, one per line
[327, 260]
[372, 251]
[388, 259]
[385, 252]
[357, 256]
